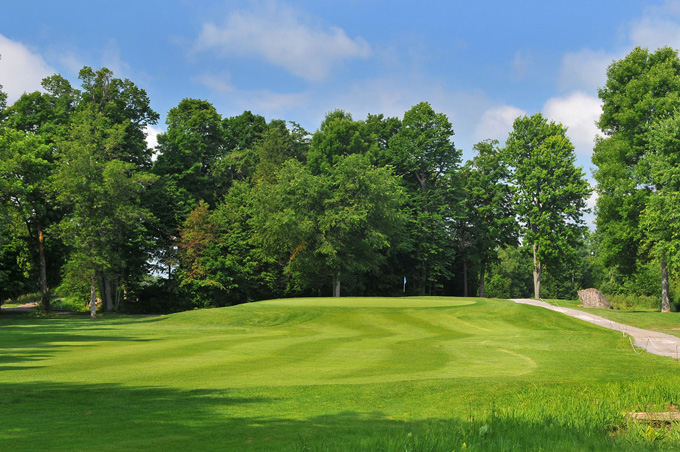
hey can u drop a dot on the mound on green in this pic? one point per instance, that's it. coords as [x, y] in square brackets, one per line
[331, 374]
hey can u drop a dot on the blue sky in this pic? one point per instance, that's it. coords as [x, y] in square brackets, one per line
[482, 63]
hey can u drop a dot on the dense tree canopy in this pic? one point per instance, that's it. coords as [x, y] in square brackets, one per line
[550, 192]
[489, 222]
[641, 89]
[228, 210]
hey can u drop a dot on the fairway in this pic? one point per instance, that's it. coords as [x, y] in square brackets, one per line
[308, 372]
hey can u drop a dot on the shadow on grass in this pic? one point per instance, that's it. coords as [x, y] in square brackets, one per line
[26, 339]
[79, 417]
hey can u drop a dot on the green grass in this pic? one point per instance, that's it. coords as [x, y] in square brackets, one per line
[412, 374]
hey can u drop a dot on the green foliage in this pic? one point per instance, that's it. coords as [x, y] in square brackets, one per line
[189, 150]
[510, 275]
[106, 223]
[338, 136]
[242, 136]
[124, 103]
[422, 152]
[196, 237]
[549, 191]
[334, 224]
[489, 221]
[641, 89]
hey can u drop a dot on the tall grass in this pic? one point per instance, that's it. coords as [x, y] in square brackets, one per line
[635, 302]
[537, 418]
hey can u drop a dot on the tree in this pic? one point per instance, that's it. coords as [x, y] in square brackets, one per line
[279, 144]
[27, 146]
[661, 215]
[25, 166]
[641, 89]
[423, 153]
[549, 191]
[189, 150]
[489, 221]
[338, 136]
[100, 177]
[242, 135]
[195, 238]
[336, 224]
[120, 104]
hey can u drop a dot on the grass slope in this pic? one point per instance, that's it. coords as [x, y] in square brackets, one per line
[330, 374]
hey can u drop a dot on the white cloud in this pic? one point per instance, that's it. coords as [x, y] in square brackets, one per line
[152, 135]
[591, 202]
[220, 83]
[112, 60]
[21, 70]
[658, 27]
[263, 101]
[584, 70]
[578, 112]
[68, 60]
[284, 38]
[496, 122]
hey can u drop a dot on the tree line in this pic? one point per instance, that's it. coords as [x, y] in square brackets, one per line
[227, 210]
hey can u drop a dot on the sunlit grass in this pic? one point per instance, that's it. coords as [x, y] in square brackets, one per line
[323, 374]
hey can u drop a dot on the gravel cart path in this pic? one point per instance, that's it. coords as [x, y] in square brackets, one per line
[652, 341]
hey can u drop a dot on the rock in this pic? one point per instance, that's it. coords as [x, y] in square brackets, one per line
[593, 298]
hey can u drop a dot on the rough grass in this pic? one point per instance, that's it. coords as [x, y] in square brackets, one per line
[413, 374]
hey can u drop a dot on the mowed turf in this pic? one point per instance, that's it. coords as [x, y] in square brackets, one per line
[329, 374]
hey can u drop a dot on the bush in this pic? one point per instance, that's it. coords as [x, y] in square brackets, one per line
[631, 302]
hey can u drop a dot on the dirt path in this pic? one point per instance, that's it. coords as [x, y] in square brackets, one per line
[652, 341]
[27, 307]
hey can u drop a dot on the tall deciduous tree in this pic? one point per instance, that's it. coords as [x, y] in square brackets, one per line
[338, 136]
[489, 216]
[336, 224]
[103, 193]
[423, 152]
[660, 219]
[190, 148]
[25, 168]
[101, 175]
[641, 89]
[549, 190]
[34, 123]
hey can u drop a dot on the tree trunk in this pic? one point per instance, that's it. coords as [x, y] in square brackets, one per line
[537, 275]
[44, 293]
[109, 294]
[665, 298]
[465, 279]
[481, 280]
[93, 299]
[336, 284]
[102, 289]
[105, 292]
